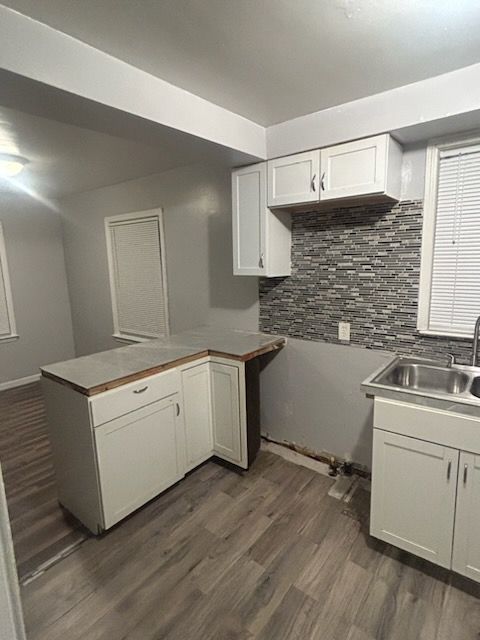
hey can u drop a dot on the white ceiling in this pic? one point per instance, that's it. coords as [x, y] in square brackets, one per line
[272, 60]
[65, 159]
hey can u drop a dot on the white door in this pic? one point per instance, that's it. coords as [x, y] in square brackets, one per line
[413, 495]
[294, 179]
[197, 414]
[139, 455]
[227, 437]
[249, 201]
[466, 547]
[355, 168]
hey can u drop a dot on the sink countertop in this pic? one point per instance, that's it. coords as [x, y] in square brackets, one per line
[108, 369]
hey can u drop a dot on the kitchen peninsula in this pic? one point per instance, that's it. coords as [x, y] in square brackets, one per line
[127, 423]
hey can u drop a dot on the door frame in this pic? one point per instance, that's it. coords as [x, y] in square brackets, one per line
[11, 613]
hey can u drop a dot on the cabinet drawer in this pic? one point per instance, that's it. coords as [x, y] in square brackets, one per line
[129, 397]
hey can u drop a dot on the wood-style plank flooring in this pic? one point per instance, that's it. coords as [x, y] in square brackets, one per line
[263, 555]
[40, 528]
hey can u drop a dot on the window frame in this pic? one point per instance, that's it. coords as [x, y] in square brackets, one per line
[434, 147]
[125, 217]
[13, 335]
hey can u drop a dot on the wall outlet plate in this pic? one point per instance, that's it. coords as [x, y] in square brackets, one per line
[344, 331]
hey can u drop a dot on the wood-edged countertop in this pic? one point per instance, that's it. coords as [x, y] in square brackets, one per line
[109, 369]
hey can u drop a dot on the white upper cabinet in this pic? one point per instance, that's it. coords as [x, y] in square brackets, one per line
[261, 238]
[294, 179]
[369, 167]
[365, 167]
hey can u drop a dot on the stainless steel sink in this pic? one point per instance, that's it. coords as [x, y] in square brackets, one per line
[428, 378]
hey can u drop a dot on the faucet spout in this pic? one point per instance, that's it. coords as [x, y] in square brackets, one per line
[475, 342]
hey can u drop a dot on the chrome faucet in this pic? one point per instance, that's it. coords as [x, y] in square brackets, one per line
[476, 333]
[450, 360]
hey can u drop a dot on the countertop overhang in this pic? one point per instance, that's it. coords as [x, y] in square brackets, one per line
[106, 370]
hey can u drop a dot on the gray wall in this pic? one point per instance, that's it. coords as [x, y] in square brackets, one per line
[310, 395]
[196, 201]
[33, 238]
[310, 391]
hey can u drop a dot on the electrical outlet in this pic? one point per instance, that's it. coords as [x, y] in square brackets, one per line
[344, 331]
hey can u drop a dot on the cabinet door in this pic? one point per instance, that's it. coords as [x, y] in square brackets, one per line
[355, 168]
[227, 436]
[413, 495]
[139, 455]
[249, 200]
[197, 414]
[294, 179]
[466, 549]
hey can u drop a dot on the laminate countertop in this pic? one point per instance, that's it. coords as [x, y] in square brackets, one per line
[109, 369]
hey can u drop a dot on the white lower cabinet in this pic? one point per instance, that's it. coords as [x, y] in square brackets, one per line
[139, 455]
[466, 546]
[197, 414]
[413, 495]
[426, 496]
[227, 437]
[116, 450]
[215, 414]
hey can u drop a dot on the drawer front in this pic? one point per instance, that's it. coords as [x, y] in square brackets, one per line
[426, 423]
[129, 397]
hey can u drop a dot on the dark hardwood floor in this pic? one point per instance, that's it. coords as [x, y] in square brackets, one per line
[263, 555]
[40, 528]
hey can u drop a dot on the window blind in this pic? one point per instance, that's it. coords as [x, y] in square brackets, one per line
[139, 295]
[7, 326]
[455, 284]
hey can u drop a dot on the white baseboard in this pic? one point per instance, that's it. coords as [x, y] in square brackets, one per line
[19, 382]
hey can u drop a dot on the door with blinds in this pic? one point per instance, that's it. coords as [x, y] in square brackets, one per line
[137, 274]
[453, 296]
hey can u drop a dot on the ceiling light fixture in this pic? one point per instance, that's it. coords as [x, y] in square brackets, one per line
[11, 166]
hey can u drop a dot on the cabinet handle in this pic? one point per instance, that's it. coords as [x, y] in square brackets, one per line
[178, 408]
[312, 186]
[142, 390]
[322, 182]
[465, 474]
[449, 469]
[260, 261]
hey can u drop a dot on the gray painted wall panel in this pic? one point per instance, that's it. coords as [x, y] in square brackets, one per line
[310, 395]
[33, 238]
[197, 216]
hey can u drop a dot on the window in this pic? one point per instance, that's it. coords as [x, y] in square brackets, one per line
[449, 299]
[7, 319]
[136, 259]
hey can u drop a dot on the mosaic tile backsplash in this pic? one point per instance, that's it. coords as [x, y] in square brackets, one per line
[360, 265]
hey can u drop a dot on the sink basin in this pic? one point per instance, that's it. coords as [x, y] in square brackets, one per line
[420, 378]
[429, 378]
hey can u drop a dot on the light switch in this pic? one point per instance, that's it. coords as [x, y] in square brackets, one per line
[344, 331]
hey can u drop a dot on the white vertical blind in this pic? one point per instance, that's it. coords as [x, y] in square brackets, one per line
[139, 295]
[455, 284]
[7, 327]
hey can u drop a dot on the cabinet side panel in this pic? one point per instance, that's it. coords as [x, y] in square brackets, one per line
[278, 240]
[73, 451]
